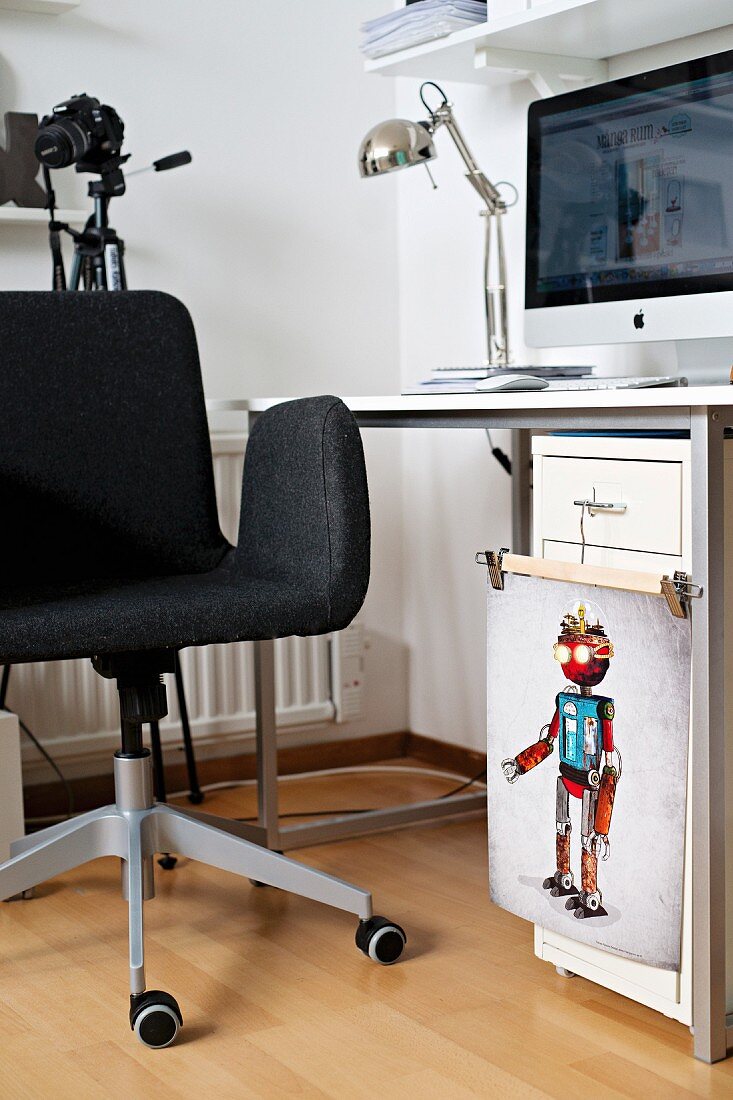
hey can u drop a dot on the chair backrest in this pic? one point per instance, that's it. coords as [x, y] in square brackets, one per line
[105, 460]
[305, 508]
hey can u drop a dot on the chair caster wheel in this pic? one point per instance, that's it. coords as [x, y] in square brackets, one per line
[196, 797]
[155, 1018]
[564, 972]
[167, 861]
[381, 940]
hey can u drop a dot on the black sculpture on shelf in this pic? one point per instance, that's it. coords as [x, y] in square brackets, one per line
[18, 163]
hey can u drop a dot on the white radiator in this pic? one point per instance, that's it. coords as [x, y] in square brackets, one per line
[75, 712]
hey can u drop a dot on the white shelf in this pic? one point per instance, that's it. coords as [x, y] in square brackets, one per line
[19, 215]
[576, 37]
[40, 7]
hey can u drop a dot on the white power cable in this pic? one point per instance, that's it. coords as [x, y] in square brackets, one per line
[356, 769]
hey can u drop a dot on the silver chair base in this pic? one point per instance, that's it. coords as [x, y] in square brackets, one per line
[135, 828]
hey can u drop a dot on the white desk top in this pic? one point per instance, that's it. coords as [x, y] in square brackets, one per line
[659, 397]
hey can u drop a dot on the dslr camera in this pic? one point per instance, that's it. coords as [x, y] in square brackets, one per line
[80, 131]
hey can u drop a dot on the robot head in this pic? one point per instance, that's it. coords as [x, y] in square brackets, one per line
[582, 647]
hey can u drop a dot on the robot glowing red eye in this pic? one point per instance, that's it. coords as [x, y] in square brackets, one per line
[582, 654]
[562, 653]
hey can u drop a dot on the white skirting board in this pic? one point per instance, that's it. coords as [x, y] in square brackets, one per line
[75, 712]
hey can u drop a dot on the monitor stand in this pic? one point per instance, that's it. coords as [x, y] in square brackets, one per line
[705, 362]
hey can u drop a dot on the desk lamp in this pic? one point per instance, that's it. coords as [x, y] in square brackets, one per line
[399, 143]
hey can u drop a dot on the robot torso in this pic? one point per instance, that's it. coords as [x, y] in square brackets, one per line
[580, 735]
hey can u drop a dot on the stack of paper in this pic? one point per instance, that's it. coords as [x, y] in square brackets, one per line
[420, 22]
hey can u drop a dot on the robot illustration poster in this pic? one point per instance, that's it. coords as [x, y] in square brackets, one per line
[588, 729]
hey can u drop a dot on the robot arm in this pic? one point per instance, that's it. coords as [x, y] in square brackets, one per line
[533, 755]
[604, 806]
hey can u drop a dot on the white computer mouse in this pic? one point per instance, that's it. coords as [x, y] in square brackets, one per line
[499, 382]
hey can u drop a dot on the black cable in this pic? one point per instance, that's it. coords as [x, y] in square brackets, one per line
[501, 456]
[32, 737]
[432, 84]
[4, 686]
[52, 763]
[50, 760]
[371, 809]
[468, 783]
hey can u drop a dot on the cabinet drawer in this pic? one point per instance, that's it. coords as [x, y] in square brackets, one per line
[651, 491]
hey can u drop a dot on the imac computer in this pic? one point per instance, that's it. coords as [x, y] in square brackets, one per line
[630, 214]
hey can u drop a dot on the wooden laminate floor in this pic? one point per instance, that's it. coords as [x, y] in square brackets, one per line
[278, 1002]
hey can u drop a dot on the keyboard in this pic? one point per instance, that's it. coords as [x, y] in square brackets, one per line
[541, 385]
[632, 382]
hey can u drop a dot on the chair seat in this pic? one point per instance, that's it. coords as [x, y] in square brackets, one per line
[107, 616]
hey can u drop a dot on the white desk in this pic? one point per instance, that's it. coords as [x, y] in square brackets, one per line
[704, 411]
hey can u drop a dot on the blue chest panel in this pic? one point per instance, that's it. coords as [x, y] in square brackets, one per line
[580, 737]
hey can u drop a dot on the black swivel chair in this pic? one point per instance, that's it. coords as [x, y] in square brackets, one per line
[112, 550]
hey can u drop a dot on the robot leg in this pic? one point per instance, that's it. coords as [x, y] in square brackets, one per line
[561, 883]
[588, 901]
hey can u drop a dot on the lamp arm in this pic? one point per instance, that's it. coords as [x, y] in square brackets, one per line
[495, 295]
[444, 116]
[503, 351]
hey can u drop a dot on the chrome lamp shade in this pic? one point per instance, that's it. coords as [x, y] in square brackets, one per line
[395, 143]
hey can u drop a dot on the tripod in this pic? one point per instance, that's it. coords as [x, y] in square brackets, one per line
[99, 254]
[98, 264]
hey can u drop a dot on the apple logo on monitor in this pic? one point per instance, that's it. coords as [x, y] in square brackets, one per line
[639, 319]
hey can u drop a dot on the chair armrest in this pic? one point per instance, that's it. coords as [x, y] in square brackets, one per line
[305, 505]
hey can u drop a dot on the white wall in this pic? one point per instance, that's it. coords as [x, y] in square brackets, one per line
[302, 278]
[285, 258]
[282, 254]
[456, 496]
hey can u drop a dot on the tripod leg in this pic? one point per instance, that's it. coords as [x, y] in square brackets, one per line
[166, 861]
[122, 274]
[75, 276]
[195, 794]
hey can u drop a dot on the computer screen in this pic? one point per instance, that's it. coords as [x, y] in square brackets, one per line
[630, 198]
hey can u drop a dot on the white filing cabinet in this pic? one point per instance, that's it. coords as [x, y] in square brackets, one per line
[652, 478]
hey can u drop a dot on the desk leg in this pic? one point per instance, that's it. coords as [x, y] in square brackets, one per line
[708, 753]
[267, 794]
[521, 459]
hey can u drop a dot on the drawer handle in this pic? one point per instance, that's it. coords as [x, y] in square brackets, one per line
[598, 506]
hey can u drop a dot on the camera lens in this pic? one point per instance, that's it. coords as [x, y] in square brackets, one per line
[62, 143]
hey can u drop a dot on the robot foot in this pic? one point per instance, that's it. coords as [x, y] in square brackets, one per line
[586, 906]
[564, 892]
[560, 885]
[582, 912]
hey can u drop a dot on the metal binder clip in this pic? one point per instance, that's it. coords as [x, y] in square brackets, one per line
[492, 560]
[679, 591]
